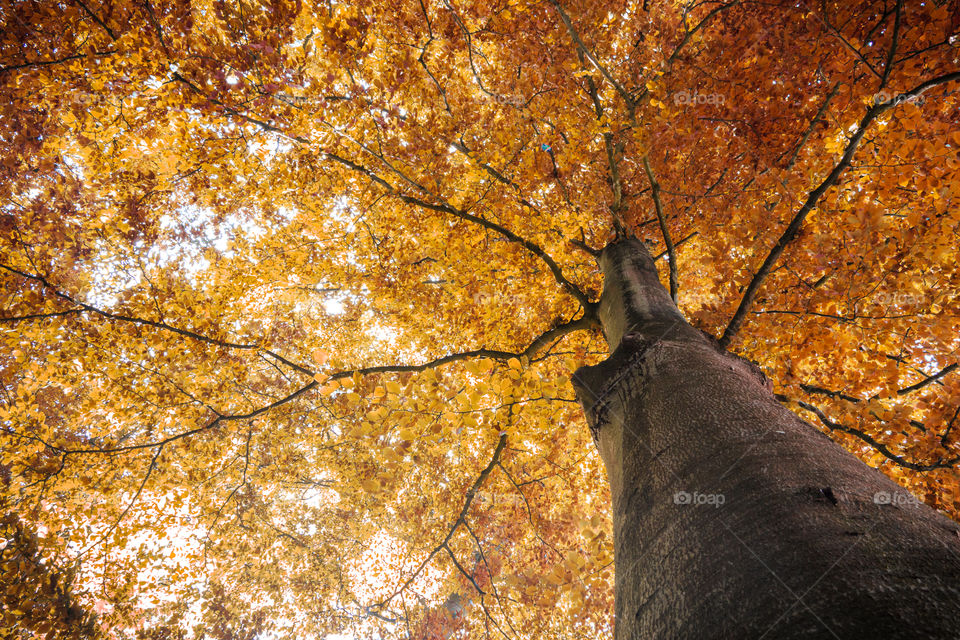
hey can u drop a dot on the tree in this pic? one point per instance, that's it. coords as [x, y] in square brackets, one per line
[295, 300]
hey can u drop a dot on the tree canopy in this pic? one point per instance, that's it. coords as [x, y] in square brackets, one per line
[292, 294]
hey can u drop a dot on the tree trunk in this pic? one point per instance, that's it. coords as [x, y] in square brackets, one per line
[732, 517]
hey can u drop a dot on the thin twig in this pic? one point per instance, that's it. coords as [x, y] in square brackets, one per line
[461, 518]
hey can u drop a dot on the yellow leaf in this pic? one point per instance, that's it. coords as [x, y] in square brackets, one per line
[329, 388]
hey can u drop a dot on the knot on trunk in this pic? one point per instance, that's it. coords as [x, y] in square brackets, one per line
[603, 389]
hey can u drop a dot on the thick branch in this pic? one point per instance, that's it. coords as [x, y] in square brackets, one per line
[45, 63]
[138, 321]
[495, 174]
[115, 316]
[616, 188]
[933, 378]
[97, 19]
[532, 247]
[888, 66]
[813, 124]
[215, 422]
[879, 446]
[593, 60]
[443, 207]
[41, 316]
[668, 63]
[538, 344]
[679, 243]
[900, 392]
[658, 205]
[812, 199]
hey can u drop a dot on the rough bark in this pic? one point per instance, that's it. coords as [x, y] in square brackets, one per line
[733, 518]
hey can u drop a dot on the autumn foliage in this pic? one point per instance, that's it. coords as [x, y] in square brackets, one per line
[291, 293]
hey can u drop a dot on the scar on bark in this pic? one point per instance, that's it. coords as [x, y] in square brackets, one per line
[615, 379]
